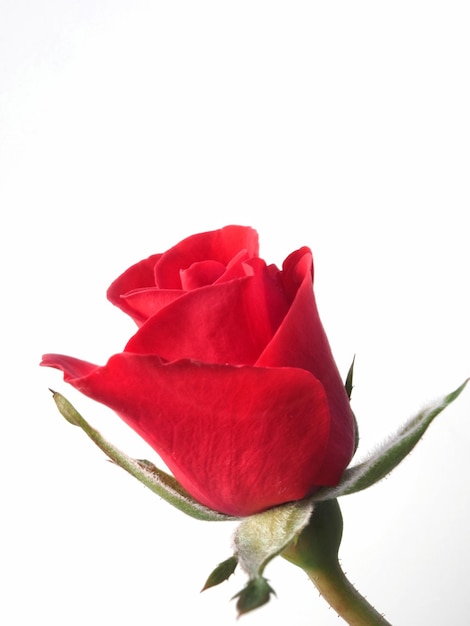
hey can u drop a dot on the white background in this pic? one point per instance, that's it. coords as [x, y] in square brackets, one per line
[128, 125]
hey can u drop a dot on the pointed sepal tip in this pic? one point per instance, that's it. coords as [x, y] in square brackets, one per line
[221, 573]
[256, 593]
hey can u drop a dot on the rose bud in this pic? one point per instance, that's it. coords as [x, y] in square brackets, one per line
[230, 377]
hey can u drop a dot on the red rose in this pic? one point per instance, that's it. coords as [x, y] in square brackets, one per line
[230, 377]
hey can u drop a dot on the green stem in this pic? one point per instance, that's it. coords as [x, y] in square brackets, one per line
[342, 596]
[316, 551]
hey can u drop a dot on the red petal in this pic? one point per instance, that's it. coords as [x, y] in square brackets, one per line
[301, 342]
[239, 439]
[137, 291]
[218, 245]
[143, 303]
[75, 368]
[139, 276]
[229, 322]
[200, 274]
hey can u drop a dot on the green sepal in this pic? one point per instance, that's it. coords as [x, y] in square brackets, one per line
[256, 593]
[158, 481]
[318, 544]
[261, 537]
[348, 383]
[389, 455]
[221, 573]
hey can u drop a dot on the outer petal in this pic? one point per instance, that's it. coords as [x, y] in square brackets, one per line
[228, 322]
[301, 342]
[137, 277]
[141, 304]
[239, 439]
